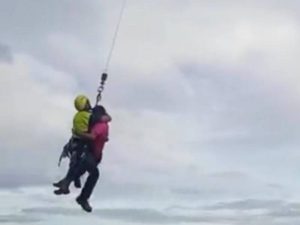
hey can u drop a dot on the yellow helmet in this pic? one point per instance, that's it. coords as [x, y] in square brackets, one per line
[81, 102]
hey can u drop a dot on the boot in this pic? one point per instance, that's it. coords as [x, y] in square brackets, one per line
[63, 188]
[84, 204]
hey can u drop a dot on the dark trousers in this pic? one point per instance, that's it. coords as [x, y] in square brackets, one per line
[74, 159]
[76, 154]
[89, 164]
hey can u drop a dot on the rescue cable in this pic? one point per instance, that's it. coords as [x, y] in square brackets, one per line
[109, 57]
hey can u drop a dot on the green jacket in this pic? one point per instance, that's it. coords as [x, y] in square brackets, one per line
[81, 122]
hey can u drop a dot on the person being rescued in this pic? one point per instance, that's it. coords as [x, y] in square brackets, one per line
[87, 153]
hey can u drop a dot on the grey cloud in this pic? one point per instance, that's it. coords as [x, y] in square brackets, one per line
[29, 166]
[137, 216]
[148, 216]
[226, 102]
[131, 215]
[247, 121]
[28, 27]
[31, 21]
[51, 211]
[239, 103]
[164, 96]
[272, 208]
[16, 179]
[177, 214]
[151, 216]
[18, 219]
[5, 54]
[249, 211]
[250, 204]
[286, 210]
[218, 186]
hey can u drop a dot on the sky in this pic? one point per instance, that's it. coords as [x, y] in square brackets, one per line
[205, 101]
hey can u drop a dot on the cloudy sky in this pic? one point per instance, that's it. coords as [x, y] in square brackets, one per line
[205, 100]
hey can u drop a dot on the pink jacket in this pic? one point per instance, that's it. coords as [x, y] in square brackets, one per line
[100, 131]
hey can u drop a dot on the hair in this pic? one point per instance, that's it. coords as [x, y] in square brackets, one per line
[97, 113]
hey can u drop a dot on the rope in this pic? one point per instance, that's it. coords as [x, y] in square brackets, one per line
[109, 57]
[115, 37]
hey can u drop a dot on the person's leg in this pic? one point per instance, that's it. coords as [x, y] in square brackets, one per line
[73, 160]
[67, 152]
[91, 167]
[90, 183]
[77, 182]
[76, 169]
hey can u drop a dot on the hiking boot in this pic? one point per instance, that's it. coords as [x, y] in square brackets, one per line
[84, 204]
[63, 188]
[62, 191]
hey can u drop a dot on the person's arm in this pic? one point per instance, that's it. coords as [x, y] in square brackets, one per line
[88, 136]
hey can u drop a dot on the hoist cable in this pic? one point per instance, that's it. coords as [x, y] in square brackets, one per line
[111, 50]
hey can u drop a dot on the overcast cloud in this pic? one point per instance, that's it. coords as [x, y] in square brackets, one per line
[204, 97]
